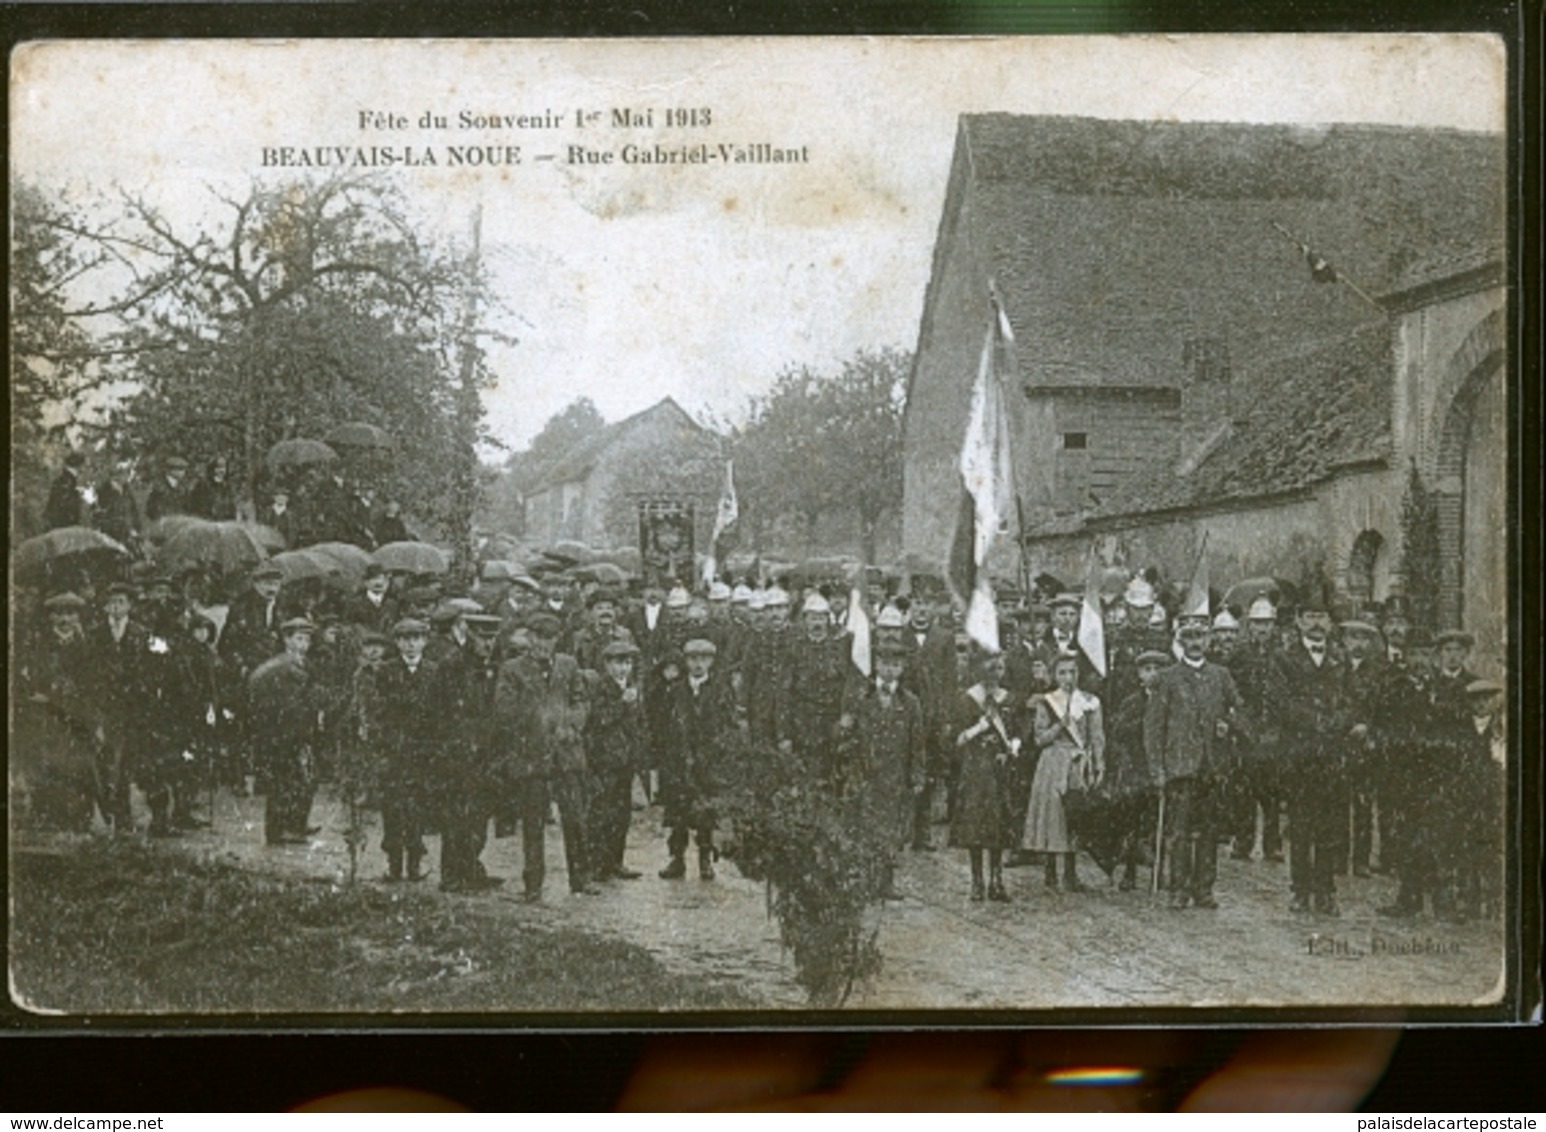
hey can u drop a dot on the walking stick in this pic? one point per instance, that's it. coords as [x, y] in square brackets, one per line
[1159, 841]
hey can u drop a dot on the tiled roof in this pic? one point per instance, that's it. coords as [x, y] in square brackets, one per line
[1113, 241]
[1320, 410]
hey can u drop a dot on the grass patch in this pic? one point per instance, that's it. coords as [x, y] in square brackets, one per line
[119, 927]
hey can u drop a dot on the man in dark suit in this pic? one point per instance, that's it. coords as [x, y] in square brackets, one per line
[119, 644]
[704, 728]
[1369, 694]
[117, 513]
[251, 633]
[1188, 730]
[931, 674]
[170, 495]
[1310, 706]
[614, 750]
[66, 505]
[286, 703]
[1253, 665]
[407, 709]
[542, 701]
[818, 672]
[462, 764]
[881, 752]
[374, 607]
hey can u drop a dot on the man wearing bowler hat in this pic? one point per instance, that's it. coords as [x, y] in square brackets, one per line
[1309, 702]
[374, 607]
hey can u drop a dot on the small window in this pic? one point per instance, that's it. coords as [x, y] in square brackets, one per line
[1075, 440]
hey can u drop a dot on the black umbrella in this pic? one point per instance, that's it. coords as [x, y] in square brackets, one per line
[64, 549]
[360, 434]
[298, 453]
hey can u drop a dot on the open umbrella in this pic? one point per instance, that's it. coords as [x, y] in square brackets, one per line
[298, 453]
[412, 558]
[829, 569]
[569, 552]
[267, 537]
[226, 548]
[299, 565]
[603, 573]
[64, 549]
[351, 560]
[626, 558]
[165, 527]
[359, 434]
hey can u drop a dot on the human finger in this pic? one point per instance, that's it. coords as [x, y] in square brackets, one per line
[1298, 1071]
[698, 1072]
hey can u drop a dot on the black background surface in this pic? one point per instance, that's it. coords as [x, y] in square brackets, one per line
[1435, 1070]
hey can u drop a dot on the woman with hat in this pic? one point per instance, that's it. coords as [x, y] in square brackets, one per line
[1069, 733]
[986, 743]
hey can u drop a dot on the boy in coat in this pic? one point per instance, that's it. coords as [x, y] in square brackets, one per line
[614, 750]
[882, 758]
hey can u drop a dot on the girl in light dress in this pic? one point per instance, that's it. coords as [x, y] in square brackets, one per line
[1068, 731]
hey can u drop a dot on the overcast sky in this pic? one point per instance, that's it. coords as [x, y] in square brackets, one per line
[631, 282]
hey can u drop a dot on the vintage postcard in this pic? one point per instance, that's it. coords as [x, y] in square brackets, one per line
[656, 529]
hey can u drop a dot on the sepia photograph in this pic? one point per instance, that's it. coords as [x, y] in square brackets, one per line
[793, 528]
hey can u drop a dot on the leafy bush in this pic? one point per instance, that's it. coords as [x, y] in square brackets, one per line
[824, 880]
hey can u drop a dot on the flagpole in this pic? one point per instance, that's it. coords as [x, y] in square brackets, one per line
[1319, 264]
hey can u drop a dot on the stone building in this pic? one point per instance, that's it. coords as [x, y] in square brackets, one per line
[1250, 331]
[580, 496]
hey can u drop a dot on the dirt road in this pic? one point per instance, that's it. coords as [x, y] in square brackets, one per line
[1101, 948]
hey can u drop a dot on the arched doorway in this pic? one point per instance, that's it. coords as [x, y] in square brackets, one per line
[1365, 568]
[1471, 499]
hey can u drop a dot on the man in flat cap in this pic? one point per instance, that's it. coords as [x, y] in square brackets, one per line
[882, 757]
[1128, 787]
[1480, 855]
[286, 705]
[614, 752]
[251, 633]
[170, 495]
[542, 701]
[1371, 695]
[1188, 730]
[601, 629]
[1430, 793]
[704, 736]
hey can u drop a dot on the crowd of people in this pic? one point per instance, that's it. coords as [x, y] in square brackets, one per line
[307, 505]
[452, 711]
